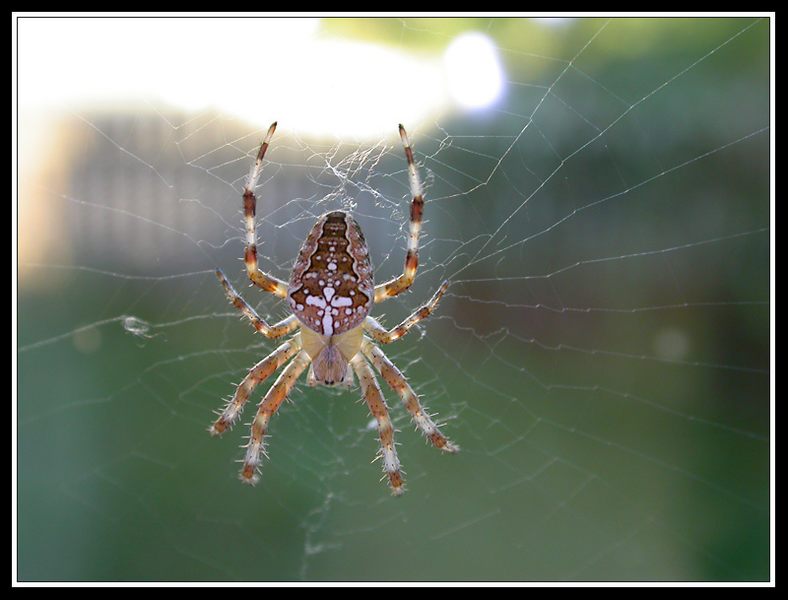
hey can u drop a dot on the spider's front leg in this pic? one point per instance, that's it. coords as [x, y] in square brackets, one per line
[391, 288]
[377, 406]
[261, 279]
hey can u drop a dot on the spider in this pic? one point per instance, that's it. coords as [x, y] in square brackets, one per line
[330, 294]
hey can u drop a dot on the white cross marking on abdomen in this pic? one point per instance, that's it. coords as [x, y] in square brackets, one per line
[331, 301]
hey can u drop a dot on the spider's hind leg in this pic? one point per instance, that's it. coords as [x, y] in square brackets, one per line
[399, 384]
[377, 406]
[256, 375]
[266, 409]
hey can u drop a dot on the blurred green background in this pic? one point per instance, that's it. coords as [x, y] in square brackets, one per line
[602, 356]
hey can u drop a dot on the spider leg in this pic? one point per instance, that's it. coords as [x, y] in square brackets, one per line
[395, 286]
[256, 375]
[261, 279]
[399, 384]
[265, 410]
[377, 406]
[380, 334]
[274, 331]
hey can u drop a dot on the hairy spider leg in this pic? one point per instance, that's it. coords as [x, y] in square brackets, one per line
[377, 406]
[274, 331]
[256, 375]
[396, 380]
[261, 279]
[399, 284]
[266, 409]
[384, 336]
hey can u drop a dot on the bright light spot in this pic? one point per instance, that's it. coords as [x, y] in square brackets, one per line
[473, 70]
[335, 87]
[671, 344]
[260, 70]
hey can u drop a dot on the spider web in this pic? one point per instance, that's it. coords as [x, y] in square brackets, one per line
[602, 355]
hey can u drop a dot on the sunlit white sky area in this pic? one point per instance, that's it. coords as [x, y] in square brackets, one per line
[110, 63]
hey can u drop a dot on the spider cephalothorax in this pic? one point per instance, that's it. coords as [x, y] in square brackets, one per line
[330, 294]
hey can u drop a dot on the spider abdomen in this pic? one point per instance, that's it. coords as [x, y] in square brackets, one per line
[331, 288]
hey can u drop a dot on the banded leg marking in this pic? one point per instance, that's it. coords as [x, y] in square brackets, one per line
[261, 279]
[380, 334]
[395, 286]
[396, 380]
[270, 404]
[274, 331]
[377, 406]
[256, 375]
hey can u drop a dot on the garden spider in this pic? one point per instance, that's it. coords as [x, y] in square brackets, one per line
[330, 294]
